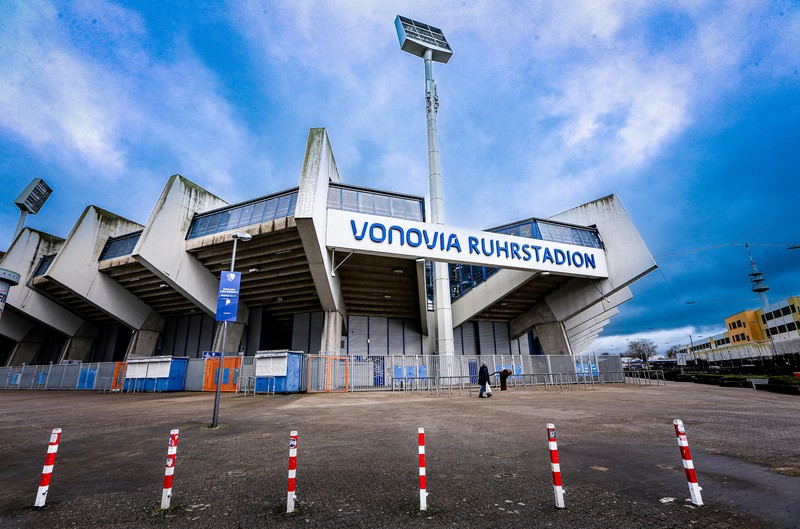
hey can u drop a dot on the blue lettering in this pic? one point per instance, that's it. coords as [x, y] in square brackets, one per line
[473, 245]
[536, 251]
[355, 233]
[589, 260]
[503, 248]
[400, 231]
[452, 242]
[414, 231]
[382, 231]
[547, 255]
[515, 251]
[527, 252]
[569, 258]
[560, 257]
[577, 257]
[491, 246]
[430, 244]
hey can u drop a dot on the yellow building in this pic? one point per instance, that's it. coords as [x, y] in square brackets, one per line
[745, 327]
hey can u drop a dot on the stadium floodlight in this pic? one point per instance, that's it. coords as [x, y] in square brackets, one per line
[31, 201]
[429, 43]
[416, 37]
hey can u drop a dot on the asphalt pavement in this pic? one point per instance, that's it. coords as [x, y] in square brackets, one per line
[357, 459]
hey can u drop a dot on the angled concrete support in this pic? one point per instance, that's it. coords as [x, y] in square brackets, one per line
[319, 170]
[162, 245]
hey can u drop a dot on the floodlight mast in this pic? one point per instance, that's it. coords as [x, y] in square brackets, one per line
[429, 43]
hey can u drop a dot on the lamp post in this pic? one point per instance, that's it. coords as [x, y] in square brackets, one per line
[244, 237]
[429, 43]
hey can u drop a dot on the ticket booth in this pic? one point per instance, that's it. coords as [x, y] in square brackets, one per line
[157, 373]
[280, 371]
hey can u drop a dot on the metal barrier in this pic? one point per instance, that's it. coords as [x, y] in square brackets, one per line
[331, 373]
[645, 377]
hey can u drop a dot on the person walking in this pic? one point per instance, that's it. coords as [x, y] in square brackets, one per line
[483, 382]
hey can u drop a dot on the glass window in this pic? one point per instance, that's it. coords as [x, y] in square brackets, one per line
[213, 222]
[382, 205]
[283, 207]
[349, 200]
[292, 204]
[269, 209]
[366, 202]
[781, 328]
[398, 208]
[785, 311]
[526, 230]
[792, 326]
[576, 236]
[247, 214]
[413, 210]
[334, 198]
[258, 211]
[233, 218]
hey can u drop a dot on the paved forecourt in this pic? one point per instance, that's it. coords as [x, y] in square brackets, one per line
[487, 461]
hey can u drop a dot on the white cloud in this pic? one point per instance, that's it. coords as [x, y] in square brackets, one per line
[82, 87]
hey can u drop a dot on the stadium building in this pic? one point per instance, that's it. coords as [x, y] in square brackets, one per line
[331, 268]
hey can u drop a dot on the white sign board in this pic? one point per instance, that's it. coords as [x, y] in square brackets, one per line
[681, 358]
[412, 240]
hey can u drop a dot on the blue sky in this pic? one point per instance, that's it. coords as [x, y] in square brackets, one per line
[688, 111]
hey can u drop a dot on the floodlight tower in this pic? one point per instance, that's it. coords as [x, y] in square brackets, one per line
[430, 44]
[31, 201]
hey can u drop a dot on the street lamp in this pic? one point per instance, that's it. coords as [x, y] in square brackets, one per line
[429, 43]
[244, 237]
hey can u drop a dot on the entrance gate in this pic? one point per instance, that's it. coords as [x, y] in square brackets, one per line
[328, 373]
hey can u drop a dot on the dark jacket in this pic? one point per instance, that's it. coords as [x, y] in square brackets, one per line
[483, 375]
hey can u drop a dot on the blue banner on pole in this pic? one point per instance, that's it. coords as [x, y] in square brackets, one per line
[228, 299]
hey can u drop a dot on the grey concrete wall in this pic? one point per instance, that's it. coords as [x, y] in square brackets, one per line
[75, 268]
[22, 257]
[162, 246]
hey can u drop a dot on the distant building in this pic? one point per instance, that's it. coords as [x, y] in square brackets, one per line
[780, 323]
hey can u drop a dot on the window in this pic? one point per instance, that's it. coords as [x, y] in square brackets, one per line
[785, 311]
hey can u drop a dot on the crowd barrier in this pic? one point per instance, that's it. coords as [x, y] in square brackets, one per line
[328, 373]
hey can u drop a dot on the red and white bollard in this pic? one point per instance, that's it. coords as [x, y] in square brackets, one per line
[172, 454]
[555, 466]
[423, 482]
[688, 465]
[290, 497]
[47, 471]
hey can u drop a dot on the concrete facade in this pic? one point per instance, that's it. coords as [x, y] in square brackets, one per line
[298, 291]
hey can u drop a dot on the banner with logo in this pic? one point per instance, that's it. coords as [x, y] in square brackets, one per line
[228, 299]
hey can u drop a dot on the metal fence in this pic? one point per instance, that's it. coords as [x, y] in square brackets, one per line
[336, 373]
[447, 373]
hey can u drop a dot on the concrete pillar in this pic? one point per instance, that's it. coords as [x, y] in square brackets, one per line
[331, 342]
[233, 339]
[553, 338]
[143, 344]
[25, 351]
[79, 346]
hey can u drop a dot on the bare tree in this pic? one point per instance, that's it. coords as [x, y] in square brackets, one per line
[672, 352]
[642, 348]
